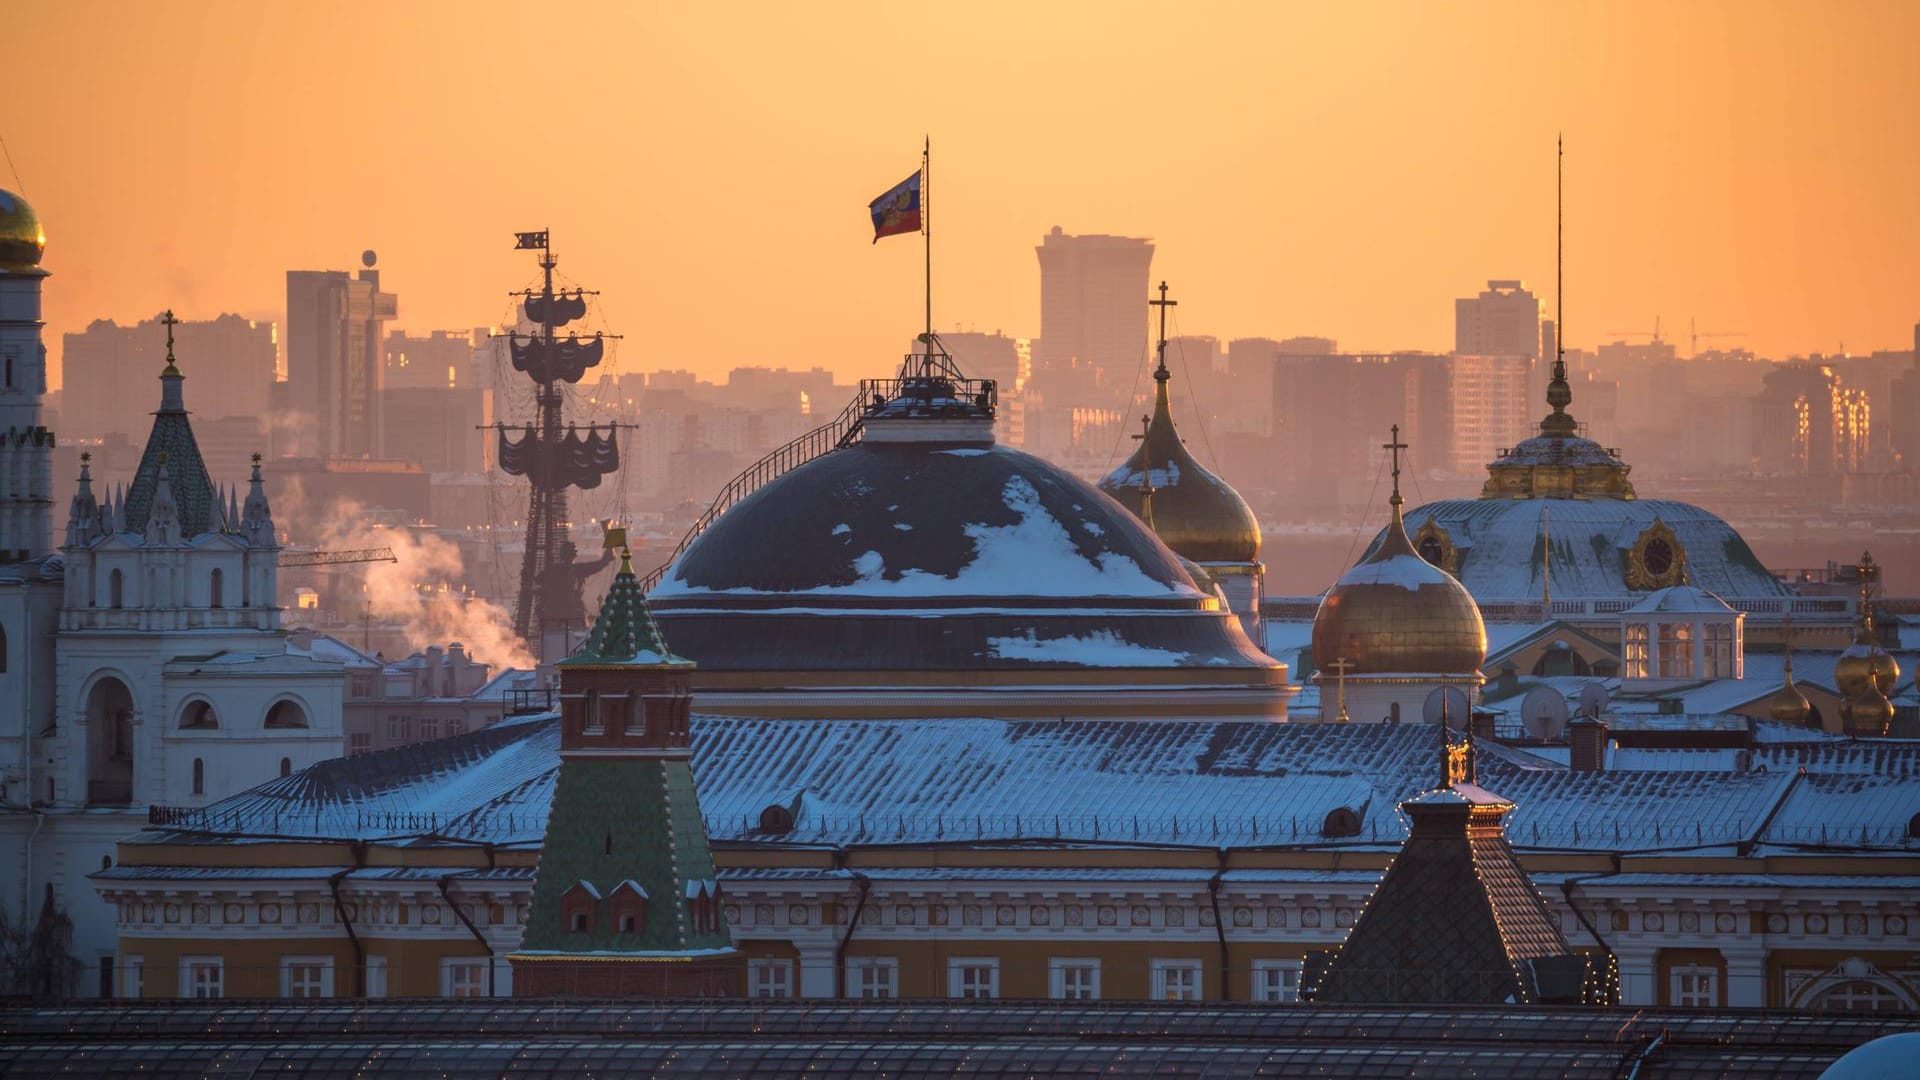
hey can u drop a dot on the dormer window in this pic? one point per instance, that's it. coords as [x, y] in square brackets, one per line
[579, 907]
[629, 904]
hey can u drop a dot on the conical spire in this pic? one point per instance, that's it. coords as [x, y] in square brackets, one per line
[83, 514]
[256, 519]
[163, 514]
[624, 633]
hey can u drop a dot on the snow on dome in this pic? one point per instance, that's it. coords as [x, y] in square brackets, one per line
[1397, 614]
[906, 555]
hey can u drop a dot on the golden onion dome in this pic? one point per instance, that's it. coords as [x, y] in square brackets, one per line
[1193, 511]
[1870, 714]
[1395, 613]
[22, 241]
[1789, 706]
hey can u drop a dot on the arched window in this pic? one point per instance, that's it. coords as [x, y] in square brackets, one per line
[106, 862]
[214, 589]
[776, 819]
[592, 720]
[286, 766]
[3, 650]
[116, 589]
[607, 847]
[286, 714]
[199, 716]
[9, 371]
[636, 715]
[1340, 822]
[199, 777]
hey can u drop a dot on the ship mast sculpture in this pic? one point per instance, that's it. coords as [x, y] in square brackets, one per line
[553, 455]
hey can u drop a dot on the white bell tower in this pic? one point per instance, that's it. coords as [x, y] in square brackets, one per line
[26, 446]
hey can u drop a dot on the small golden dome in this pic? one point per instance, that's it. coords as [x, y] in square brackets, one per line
[1865, 662]
[1397, 614]
[1193, 511]
[21, 239]
[1870, 714]
[1789, 706]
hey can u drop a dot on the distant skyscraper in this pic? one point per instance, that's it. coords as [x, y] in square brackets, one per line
[988, 356]
[1092, 302]
[1502, 321]
[1488, 408]
[233, 362]
[336, 331]
[441, 360]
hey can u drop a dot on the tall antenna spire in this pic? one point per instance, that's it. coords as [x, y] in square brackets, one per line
[1559, 393]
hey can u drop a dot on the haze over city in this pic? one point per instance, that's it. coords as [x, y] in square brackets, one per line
[1329, 171]
[821, 540]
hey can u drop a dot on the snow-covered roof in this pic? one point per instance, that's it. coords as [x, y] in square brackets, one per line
[1681, 600]
[1153, 783]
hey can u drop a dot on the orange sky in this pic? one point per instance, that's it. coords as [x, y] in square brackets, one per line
[1331, 169]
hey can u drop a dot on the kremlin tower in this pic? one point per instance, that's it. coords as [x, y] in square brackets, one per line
[26, 446]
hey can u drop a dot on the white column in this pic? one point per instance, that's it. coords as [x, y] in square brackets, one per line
[1746, 976]
[817, 971]
[1636, 974]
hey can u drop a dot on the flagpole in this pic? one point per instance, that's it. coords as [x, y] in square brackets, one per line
[926, 233]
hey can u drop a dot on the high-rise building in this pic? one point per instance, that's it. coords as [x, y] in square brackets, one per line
[1488, 407]
[442, 359]
[336, 333]
[1327, 411]
[1504, 320]
[989, 356]
[234, 360]
[1808, 421]
[1091, 314]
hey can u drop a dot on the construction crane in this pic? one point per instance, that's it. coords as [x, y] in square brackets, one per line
[1624, 334]
[336, 558]
[1695, 334]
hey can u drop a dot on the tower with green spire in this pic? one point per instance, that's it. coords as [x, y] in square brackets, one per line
[626, 903]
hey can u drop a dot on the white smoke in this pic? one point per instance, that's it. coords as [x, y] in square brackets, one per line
[424, 592]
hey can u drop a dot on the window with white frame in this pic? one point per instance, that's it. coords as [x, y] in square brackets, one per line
[133, 976]
[376, 976]
[1276, 981]
[873, 977]
[360, 742]
[202, 977]
[1176, 980]
[1073, 979]
[1676, 650]
[1722, 651]
[1695, 986]
[463, 978]
[973, 978]
[1635, 651]
[769, 978]
[306, 976]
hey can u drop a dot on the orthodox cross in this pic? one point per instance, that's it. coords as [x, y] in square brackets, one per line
[168, 319]
[1163, 304]
[1146, 470]
[1340, 668]
[1394, 447]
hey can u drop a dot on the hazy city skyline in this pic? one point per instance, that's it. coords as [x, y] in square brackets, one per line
[1300, 172]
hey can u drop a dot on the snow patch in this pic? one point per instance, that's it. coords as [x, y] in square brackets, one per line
[1100, 648]
[1409, 572]
[842, 529]
[969, 452]
[903, 526]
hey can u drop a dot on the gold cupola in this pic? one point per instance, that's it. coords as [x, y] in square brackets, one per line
[1397, 614]
[22, 241]
[1866, 672]
[1788, 705]
[1193, 511]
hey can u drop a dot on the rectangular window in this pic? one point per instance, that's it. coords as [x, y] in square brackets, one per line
[456, 726]
[1176, 980]
[376, 976]
[1634, 654]
[429, 727]
[1073, 979]
[306, 977]
[360, 742]
[1696, 987]
[1276, 981]
[363, 686]
[463, 978]
[201, 977]
[1723, 654]
[770, 978]
[133, 977]
[977, 978]
[1676, 650]
[873, 977]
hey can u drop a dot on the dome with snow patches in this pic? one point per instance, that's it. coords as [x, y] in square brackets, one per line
[925, 570]
[1558, 513]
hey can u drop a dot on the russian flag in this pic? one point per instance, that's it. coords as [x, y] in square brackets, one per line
[898, 211]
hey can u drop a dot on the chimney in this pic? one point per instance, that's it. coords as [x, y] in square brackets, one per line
[1587, 744]
[1482, 724]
